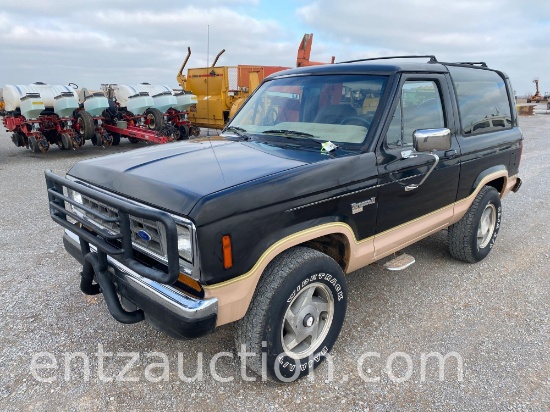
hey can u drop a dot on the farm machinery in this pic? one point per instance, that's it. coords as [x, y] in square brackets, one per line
[222, 90]
[40, 115]
[147, 112]
[537, 97]
[2, 104]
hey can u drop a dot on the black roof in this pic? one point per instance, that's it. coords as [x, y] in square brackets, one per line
[384, 65]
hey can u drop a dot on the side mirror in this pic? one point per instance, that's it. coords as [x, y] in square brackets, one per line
[428, 140]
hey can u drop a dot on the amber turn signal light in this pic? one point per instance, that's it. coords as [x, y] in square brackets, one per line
[227, 252]
[192, 283]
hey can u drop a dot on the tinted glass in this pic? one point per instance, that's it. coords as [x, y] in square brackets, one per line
[482, 100]
[419, 107]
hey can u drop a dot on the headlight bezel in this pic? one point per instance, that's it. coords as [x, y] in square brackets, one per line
[185, 242]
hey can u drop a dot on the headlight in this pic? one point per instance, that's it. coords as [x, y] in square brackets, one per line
[184, 243]
[77, 197]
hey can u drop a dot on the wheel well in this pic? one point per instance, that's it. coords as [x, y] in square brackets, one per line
[335, 245]
[498, 184]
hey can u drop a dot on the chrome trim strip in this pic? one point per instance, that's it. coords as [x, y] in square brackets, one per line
[181, 304]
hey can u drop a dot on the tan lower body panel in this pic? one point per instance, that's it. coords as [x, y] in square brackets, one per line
[234, 296]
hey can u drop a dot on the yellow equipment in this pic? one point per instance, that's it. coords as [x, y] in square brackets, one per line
[220, 90]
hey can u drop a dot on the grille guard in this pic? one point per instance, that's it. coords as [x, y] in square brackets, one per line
[59, 213]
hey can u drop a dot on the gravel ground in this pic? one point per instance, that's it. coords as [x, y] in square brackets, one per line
[494, 316]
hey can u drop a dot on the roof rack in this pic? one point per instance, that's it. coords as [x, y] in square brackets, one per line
[430, 56]
[482, 64]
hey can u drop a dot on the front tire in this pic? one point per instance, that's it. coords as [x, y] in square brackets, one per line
[472, 237]
[295, 315]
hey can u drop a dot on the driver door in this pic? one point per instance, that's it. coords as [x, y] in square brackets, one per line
[423, 102]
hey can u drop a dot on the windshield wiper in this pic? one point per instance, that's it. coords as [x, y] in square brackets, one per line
[286, 132]
[292, 134]
[238, 131]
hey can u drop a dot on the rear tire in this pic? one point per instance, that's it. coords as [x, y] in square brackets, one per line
[133, 140]
[295, 315]
[472, 237]
[155, 117]
[86, 124]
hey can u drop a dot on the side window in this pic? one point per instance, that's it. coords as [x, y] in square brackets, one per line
[419, 107]
[482, 100]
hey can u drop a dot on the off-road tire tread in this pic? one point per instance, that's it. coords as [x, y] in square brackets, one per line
[250, 328]
[460, 234]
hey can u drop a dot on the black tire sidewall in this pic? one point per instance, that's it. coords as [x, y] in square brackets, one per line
[87, 125]
[33, 144]
[116, 139]
[320, 272]
[490, 197]
[157, 117]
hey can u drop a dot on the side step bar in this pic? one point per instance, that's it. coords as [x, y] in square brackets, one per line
[399, 262]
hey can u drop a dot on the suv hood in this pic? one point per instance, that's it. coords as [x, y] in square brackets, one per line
[175, 176]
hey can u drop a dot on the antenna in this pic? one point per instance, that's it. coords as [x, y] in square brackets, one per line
[207, 100]
[207, 79]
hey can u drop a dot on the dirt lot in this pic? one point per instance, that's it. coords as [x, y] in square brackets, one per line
[491, 318]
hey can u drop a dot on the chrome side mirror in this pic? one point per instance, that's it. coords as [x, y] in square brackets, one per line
[426, 142]
[429, 140]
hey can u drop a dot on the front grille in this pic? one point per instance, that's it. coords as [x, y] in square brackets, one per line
[156, 242]
[117, 228]
[147, 235]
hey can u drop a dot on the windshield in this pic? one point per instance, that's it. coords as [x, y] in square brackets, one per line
[336, 108]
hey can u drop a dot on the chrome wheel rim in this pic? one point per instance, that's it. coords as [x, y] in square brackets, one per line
[486, 226]
[307, 320]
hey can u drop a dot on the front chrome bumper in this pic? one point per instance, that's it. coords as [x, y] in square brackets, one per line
[179, 315]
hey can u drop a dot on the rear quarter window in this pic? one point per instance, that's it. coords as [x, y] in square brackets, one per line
[483, 101]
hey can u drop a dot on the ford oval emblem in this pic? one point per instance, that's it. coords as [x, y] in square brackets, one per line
[144, 235]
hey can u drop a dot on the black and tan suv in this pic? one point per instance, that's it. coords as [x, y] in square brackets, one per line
[323, 171]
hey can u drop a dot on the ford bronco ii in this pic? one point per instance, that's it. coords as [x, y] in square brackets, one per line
[324, 170]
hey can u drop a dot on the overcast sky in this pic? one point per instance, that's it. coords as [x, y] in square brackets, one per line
[115, 41]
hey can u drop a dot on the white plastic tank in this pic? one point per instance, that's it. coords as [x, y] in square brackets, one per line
[25, 98]
[94, 101]
[63, 99]
[135, 98]
[162, 96]
[185, 100]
